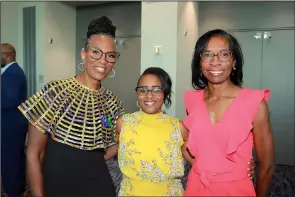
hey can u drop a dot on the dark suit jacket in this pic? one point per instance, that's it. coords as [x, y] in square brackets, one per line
[14, 125]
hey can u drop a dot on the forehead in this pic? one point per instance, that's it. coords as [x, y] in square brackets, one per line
[103, 42]
[150, 80]
[217, 43]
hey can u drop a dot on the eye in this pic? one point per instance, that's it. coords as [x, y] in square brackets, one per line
[224, 53]
[112, 55]
[142, 90]
[157, 90]
[96, 52]
[206, 54]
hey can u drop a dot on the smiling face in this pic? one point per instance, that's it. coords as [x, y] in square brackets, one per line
[99, 56]
[217, 61]
[150, 101]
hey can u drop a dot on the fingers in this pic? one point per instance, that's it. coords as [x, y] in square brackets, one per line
[250, 176]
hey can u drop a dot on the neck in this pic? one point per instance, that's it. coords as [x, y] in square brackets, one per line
[6, 63]
[153, 114]
[89, 81]
[219, 90]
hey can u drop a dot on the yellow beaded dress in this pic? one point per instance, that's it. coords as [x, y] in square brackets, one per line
[149, 155]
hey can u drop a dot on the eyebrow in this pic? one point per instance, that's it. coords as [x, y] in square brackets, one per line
[93, 47]
[206, 50]
[147, 87]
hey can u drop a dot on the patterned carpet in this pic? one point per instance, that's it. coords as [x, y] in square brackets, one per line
[283, 180]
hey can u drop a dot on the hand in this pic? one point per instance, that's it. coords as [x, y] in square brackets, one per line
[251, 169]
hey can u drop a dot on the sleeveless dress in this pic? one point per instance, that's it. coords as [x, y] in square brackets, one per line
[150, 156]
[80, 123]
[222, 151]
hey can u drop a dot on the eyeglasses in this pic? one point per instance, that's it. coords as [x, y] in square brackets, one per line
[223, 56]
[97, 53]
[143, 91]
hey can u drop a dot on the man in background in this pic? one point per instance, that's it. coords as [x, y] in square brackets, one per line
[13, 124]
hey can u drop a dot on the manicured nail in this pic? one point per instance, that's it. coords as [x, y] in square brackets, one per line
[248, 169]
[249, 162]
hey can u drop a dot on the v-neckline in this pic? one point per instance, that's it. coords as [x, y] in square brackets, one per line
[229, 107]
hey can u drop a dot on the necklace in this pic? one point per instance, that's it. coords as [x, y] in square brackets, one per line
[212, 114]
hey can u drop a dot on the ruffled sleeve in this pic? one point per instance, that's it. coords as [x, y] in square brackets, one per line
[39, 108]
[190, 104]
[191, 100]
[250, 103]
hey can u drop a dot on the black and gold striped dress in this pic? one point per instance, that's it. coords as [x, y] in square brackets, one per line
[80, 123]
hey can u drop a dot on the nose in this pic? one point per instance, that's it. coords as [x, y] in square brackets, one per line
[103, 59]
[149, 94]
[215, 61]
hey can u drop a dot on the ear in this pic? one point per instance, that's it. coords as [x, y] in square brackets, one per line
[234, 63]
[82, 53]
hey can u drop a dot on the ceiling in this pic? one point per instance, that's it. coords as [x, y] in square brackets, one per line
[86, 3]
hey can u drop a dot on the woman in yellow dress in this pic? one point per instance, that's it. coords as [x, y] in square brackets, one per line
[152, 144]
[149, 153]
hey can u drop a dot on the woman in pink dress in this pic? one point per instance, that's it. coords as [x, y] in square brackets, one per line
[224, 120]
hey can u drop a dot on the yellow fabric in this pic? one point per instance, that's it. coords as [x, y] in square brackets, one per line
[150, 155]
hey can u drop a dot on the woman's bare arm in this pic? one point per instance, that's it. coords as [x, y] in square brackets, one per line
[113, 150]
[35, 152]
[185, 153]
[264, 145]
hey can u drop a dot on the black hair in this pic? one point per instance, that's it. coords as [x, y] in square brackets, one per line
[103, 26]
[166, 82]
[198, 80]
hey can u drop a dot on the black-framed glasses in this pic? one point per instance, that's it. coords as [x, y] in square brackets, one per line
[223, 56]
[97, 53]
[143, 90]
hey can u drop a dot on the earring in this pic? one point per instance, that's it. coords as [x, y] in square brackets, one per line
[114, 73]
[233, 71]
[137, 104]
[81, 66]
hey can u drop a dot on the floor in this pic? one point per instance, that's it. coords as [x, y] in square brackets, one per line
[283, 180]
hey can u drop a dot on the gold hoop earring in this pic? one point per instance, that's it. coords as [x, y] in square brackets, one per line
[81, 66]
[114, 73]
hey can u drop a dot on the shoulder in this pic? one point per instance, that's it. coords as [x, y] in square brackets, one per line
[257, 94]
[16, 71]
[130, 115]
[58, 85]
[173, 120]
[255, 101]
[192, 93]
[191, 98]
[114, 103]
[131, 118]
[110, 95]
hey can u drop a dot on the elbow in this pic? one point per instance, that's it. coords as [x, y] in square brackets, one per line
[34, 157]
[267, 170]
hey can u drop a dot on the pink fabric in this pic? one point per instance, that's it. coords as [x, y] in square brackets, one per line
[222, 151]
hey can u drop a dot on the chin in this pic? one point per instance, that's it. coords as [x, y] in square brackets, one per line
[99, 77]
[150, 111]
[217, 80]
